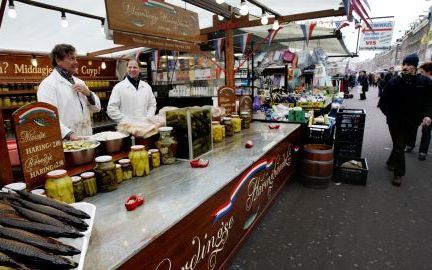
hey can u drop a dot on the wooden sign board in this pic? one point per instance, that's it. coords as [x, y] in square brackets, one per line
[19, 68]
[227, 99]
[6, 176]
[39, 141]
[154, 42]
[155, 18]
[246, 104]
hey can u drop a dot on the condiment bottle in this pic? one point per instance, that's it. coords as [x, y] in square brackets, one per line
[154, 157]
[58, 186]
[105, 174]
[78, 188]
[119, 173]
[227, 122]
[126, 168]
[167, 145]
[139, 160]
[89, 183]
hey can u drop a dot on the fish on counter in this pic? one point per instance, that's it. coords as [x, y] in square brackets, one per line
[33, 256]
[36, 216]
[53, 203]
[7, 262]
[44, 243]
[40, 228]
[6, 210]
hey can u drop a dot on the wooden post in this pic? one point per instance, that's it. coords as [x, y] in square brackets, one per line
[229, 58]
[6, 176]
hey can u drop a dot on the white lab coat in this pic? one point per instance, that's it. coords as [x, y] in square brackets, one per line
[58, 92]
[126, 103]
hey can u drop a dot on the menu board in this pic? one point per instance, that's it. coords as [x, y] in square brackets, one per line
[39, 141]
[227, 99]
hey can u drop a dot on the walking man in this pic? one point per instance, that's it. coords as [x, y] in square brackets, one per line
[406, 101]
[363, 80]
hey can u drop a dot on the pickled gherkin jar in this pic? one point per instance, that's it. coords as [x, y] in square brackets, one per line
[58, 186]
[154, 158]
[78, 188]
[227, 122]
[139, 160]
[167, 145]
[237, 123]
[105, 174]
[126, 168]
[217, 132]
[246, 119]
[89, 183]
[119, 173]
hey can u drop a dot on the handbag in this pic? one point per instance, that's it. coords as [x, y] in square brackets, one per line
[288, 56]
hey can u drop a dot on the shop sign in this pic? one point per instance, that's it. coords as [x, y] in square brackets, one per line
[154, 42]
[227, 99]
[155, 18]
[39, 141]
[379, 38]
[19, 67]
[246, 104]
[205, 238]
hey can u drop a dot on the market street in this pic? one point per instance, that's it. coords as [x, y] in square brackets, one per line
[377, 226]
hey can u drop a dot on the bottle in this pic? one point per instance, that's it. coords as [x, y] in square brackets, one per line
[58, 186]
[78, 188]
[105, 174]
[167, 145]
[126, 168]
[217, 132]
[119, 173]
[139, 160]
[89, 183]
[227, 122]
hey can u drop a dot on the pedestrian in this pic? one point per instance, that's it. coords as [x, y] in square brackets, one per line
[425, 70]
[364, 83]
[406, 101]
[132, 98]
[389, 75]
[73, 99]
[381, 84]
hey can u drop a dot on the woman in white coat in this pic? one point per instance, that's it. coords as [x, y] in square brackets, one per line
[131, 98]
[73, 99]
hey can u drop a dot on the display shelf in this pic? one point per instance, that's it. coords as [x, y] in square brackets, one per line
[17, 92]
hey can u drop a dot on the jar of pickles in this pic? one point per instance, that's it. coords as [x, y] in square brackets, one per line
[217, 132]
[139, 160]
[227, 122]
[154, 158]
[119, 173]
[89, 183]
[126, 168]
[58, 186]
[7, 102]
[236, 123]
[167, 145]
[13, 101]
[78, 188]
[246, 119]
[105, 174]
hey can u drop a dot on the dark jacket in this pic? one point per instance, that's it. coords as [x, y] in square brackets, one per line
[404, 100]
[364, 82]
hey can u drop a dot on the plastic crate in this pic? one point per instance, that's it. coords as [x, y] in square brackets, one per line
[356, 176]
[349, 134]
[347, 149]
[350, 116]
[321, 134]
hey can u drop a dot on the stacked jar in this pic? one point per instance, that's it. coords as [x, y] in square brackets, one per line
[217, 132]
[105, 174]
[119, 173]
[154, 158]
[139, 160]
[58, 186]
[126, 168]
[237, 123]
[78, 188]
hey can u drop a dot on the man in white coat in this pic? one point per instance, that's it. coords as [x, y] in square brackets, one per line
[73, 99]
[132, 98]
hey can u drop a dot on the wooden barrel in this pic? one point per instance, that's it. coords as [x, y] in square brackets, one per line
[317, 166]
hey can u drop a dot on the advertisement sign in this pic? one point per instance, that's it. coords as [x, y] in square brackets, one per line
[379, 38]
[227, 99]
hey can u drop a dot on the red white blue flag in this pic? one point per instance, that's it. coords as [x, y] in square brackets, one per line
[244, 40]
[156, 57]
[218, 43]
[307, 29]
[273, 34]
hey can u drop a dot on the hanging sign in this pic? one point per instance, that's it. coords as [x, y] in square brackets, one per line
[379, 38]
[153, 18]
[39, 141]
[227, 99]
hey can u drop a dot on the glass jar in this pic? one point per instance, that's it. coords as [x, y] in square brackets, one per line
[58, 186]
[5, 88]
[246, 119]
[1, 102]
[20, 101]
[105, 174]
[89, 183]
[217, 132]
[139, 160]
[126, 168]
[167, 145]
[13, 101]
[6, 102]
[237, 123]
[119, 173]
[227, 122]
[154, 157]
[78, 188]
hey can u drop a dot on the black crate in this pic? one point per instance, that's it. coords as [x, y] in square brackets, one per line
[320, 135]
[350, 116]
[356, 176]
[347, 149]
[349, 134]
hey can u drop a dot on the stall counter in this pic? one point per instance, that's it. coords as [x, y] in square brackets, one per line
[190, 215]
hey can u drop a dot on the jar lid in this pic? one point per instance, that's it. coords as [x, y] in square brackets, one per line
[75, 179]
[38, 191]
[124, 161]
[103, 158]
[57, 173]
[165, 128]
[15, 186]
[215, 123]
[244, 113]
[87, 174]
[235, 116]
[226, 118]
[137, 147]
[153, 150]
[118, 166]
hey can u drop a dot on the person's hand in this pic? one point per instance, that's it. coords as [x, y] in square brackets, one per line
[426, 121]
[82, 88]
[74, 137]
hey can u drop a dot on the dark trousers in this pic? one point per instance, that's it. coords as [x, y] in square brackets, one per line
[363, 94]
[425, 139]
[400, 133]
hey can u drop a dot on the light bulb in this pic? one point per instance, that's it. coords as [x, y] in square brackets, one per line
[220, 18]
[244, 9]
[220, 1]
[63, 21]
[103, 65]
[12, 12]
[264, 19]
[276, 24]
[34, 62]
[102, 30]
